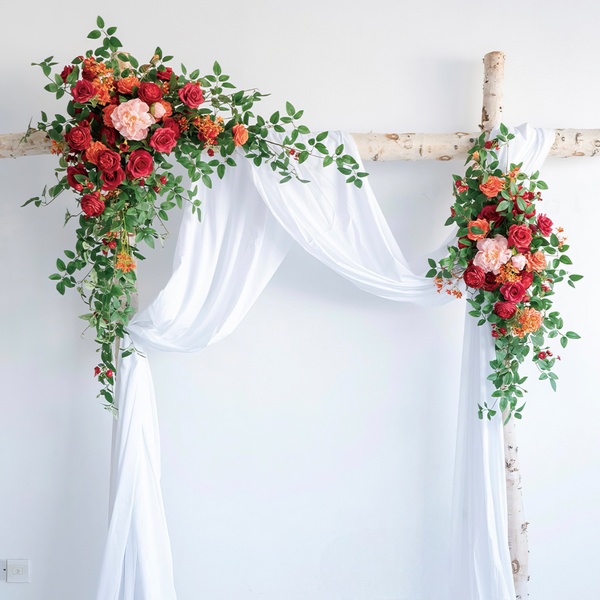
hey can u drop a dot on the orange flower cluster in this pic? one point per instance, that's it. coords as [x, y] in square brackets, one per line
[450, 285]
[57, 147]
[508, 274]
[101, 78]
[125, 262]
[208, 129]
[530, 321]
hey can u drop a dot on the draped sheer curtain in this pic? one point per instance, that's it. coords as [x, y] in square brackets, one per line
[221, 267]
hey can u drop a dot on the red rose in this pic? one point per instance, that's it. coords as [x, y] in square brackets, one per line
[191, 94]
[83, 91]
[108, 161]
[545, 225]
[72, 171]
[79, 138]
[474, 276]
[519, 236]
[140, 164]
[526, 279]
[490, 283]
[174, 125]
[109, 134]
[513, 292]
[66, 72]
[149, 93]
[112, 179]
[505, 310]
[165, 75]
[489, 214]
[91, 204]
[529, 211]
[488, 145]
[163, 140]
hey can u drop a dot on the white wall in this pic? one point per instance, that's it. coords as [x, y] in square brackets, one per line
[298, 453]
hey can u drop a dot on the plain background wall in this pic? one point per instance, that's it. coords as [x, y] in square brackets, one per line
[309, 455]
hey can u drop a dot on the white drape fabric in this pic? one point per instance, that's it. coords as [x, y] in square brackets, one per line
[221, 267]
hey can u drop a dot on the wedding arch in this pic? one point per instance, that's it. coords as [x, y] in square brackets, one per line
[270, 226]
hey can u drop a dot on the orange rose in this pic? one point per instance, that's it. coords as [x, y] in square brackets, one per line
[240, 135]
[536, 262]
[482, 224]
[492, 186]
[108, 111]
[126, 85]
[91, 154]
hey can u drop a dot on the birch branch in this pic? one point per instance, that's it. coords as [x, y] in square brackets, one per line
[375, 146]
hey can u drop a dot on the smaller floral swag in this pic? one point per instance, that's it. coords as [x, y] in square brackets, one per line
[124, 121]
[509, 258]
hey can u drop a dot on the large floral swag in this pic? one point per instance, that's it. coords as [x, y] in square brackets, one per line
[124, 124]
[509, 258]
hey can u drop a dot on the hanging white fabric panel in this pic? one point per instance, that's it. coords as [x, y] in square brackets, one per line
[221, 267]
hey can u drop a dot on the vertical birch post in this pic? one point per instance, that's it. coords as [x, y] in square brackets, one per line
[491, 115]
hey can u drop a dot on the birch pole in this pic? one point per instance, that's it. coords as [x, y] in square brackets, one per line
[491, 115]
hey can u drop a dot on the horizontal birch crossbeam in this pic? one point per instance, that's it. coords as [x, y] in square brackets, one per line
[374, 146]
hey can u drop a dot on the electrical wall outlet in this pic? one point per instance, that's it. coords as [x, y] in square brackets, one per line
[18, 570]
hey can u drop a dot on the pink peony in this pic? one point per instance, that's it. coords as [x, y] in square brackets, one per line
[132, 119]
[158, 110]
[493, 253]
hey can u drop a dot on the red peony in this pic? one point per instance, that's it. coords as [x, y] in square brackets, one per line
[112, 179]
[513, 292]
[84, 90]
[66, 72]
[92, 205]
[140, 164]
[519, 236]
[191, 94]
[474, 276]
[490, 283]
[108, 161]
[165, 75]
[79, 138]
[72, 171]
[505, 310]
[172, 124]
[489, 214]
[526, 279]
[149, 93]
[545, 225]
[163, 140]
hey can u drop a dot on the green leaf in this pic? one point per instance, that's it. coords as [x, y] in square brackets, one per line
[221, 171]
[100, 22]
[303, 157]
[430, 273]
[563, 342]
[60, 265]
[575, 277]
[542, 185]
[432, 263]
[553, 384]
[327, 161]
[290, 109]
[111, 30]
[55, 276]
[503, 129]
[303, 129]
[94, 35]
[217, 69]
[207, 181]
[322, 136]
[274, 118]
[60, 286]
[572, 335]
[565, 260]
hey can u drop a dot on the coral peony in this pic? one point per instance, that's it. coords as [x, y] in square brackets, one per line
[492, 186]
[493, 253]
[132, 119]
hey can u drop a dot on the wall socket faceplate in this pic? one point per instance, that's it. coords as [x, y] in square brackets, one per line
[15, 570]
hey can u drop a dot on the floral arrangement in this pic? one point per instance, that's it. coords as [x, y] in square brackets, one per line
[124, 124]
[509, 258]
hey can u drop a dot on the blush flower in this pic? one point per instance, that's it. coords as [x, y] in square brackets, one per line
[132, 119]
[493, 253]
